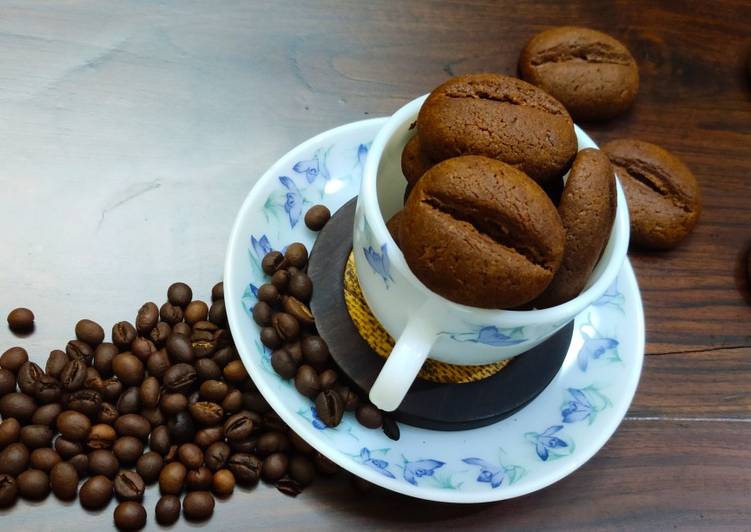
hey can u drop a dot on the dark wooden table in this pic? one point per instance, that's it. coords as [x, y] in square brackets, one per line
[132, 131]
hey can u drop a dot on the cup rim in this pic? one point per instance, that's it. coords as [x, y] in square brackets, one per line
[619, 238]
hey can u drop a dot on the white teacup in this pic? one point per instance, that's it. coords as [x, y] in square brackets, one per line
[425, 323]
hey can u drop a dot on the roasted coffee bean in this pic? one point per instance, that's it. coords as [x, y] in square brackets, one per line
[271, 262]
[10, 430]
[129, 486]
[128, 368]
[190, 455]
[286, 327]
[87, 402]
[217, 455]
[235, 372]
[328, 380]
[268, 293]
[301, 469]
[315, 351]
[160, 333]
[130, 515]
[33, 484]
[262, 313]
[295, 351]
[107, 413]
[239, 426]
[112, 389]
[208, 435]
[196, 311]
[329, 407]
[13, 358]
[90, 332]
[142, 348]
[181, 328]
[179, 378]
[55, 363]
[288, 486]
[207, 369]
[223, 483]
[96, 492]
[159, 440]
[246, 468]
[324, 465]
[48, 390]
[28, 375]
[123, 334]
[179, 294]
[158, 363]
[8, 491]
[127, 450]
[17, 405]
[272, 442]
[172, 403]
[14, 459]
[150, 392]
[272, 421]
[298, 309]
[198, 479]
[44, 459]
[172, 478]
[232, 402]
[67, 449]
[149, 465]
[300, 287]
[274, 467]
[133, 425]
[255, 402]
[270, 338]
[307, 381]
[390, 428]
[7, 382]
[280, 280]
[73, 426]
[206, 413]
[46, 414]
[299, 444]
[35, 436]
[283, 363]
[79, 349]
[103, 462]
[154, 416]
[64, 481]
[316, 217]
[81, 463]
[297, 255]
[101, 436]
[180, 349]
[171, 314]
[21, 320]
[218, 313]
[224, 356]
[167, 510]
[217, 291]
[214, 390]
[147, 318]
[198, 505]
[369, 416]
[93, 380]
[181, 427]
[103, 355]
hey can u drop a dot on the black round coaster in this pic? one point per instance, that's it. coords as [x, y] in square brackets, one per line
[427, 404]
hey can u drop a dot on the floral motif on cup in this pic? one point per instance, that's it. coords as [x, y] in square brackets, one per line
[490, 335]
[595, 346]
[549, 444]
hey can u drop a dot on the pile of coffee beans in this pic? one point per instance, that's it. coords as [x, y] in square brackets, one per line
[168, 401]
[288, 329]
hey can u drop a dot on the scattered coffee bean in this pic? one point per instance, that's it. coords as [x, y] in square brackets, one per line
[101, 436]
[268, 293]
[14, 358]
[218, 313]
[103, 462]
[81, 463]
[14, 459]
[107, 413]
[167, 510]
[172, 478]
[180, 349]
[179, 378]
[286, 326]
[159, 440]
[216, 455]
[28, 375]
[179, 294]
[315, 351]
[274, 467]
[317, 216]
[262, 313]
[254, 402]
[301, 469]
[270, 338]
[147, 318]
[96, 492]
[223, 483]
[36, 436]
[73, 426]
[235, 372]
[369, 416]
[208, 369]
[8, 490]
[160, 333]
[128, 368]
[64, 481]
[298, 309]
[198, 505]
[7, 382]
[307, 381]
[289, 486]
[103, 355]
[390, 428]
[300, 287]
[329, 407]
[130, 515]
[67, 449]
[142, 348]
[171, 314]
[127, 450]
[149, 466]
[90, 332]
[245, 467]
[33, 484]
[283, 363]
[299, 444]
[46, 415]
[44, 459]
[17, 405]
[181, 427]
[55, 363]
[297, 255]
[196, 311]
[198, 479]
[123, 334]
[328, 380]
[133, 425]
[10, 430]
[21, 320]
[271, 262]
[130, 401]
[217, 291]
[206, 413]
[129, 486]
[280, 280]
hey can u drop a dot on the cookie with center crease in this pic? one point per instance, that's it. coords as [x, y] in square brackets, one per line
[481, 233]
[587, 210]
[414, 161]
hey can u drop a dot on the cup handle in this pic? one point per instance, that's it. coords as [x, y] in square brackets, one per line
[404, 362]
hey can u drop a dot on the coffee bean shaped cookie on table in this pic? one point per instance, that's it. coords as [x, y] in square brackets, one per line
[590, 72]
[587, 210]
[499, 117]
[664, 200]
[480, 232]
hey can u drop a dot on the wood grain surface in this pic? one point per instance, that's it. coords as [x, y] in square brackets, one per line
[131, 131]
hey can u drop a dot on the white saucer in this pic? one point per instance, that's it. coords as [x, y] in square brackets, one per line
[542, 443]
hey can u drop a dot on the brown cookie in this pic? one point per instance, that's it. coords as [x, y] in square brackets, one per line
[500, 117]
[587, 211]
[393, 226]
[414, 161]
[591, 73]
[664, 201]
[480, 232]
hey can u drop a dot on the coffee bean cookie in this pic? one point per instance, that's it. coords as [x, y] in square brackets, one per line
[499, 117]
[587, 210]
[591, 73]
[393, 226]
[664, 201]
[480, 232]
[414, 161]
